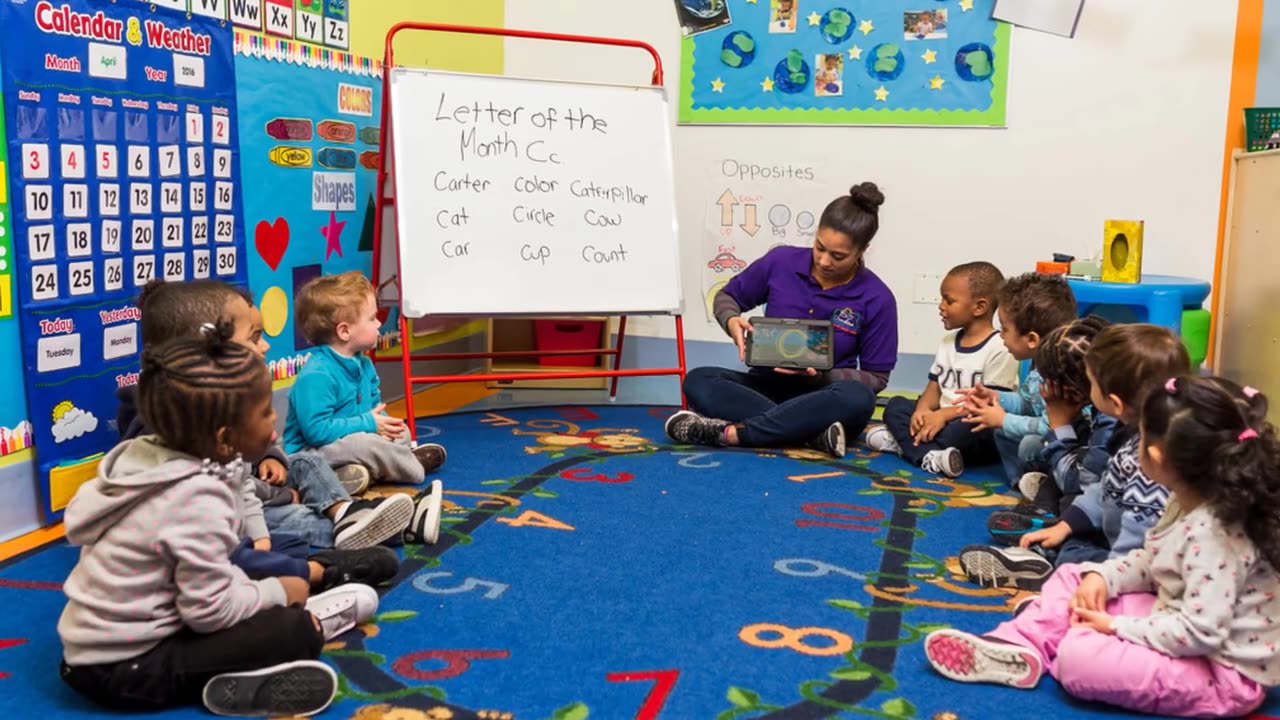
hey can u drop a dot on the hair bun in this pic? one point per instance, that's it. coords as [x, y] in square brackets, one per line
[867, 196]
[218, 337]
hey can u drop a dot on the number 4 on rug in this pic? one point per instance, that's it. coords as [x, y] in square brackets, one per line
[533, 518]
[663, 682]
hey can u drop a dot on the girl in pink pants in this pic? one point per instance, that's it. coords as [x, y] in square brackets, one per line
[1187, 625]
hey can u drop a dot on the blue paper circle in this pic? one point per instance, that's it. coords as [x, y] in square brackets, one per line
[898, 61]
[826, 24]
[744, 58]
[782, 77]
[965, 71]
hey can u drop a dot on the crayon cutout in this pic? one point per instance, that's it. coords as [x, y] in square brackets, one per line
[289, 129]
[336, 131]
[369, 135]
[336, 158]
[290, 156]
[369, 159]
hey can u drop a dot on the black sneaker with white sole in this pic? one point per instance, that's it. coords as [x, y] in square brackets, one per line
[366, 523]
[368, 566]
[990, 566]
[831, 441]
[424, 527]
[1008, 526]
[690, 428]
[302, 687]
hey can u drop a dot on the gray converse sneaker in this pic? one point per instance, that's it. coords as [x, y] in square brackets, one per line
[366, 523]
[831, 441]
[947, 461]
[881, 440]
[690, 428]
[302, 687]
[354, 478]
[343, 608]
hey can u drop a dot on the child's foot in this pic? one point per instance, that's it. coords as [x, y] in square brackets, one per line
[947, 461]
[881, 440]
[690, 428]
[1029, 484]
[970, 658]
[365, 523]
[302, 687]
[424, 527]
[431, 455]
[343, 608]
[1015, 567]
[354, 478]
[369, 566]
[1008, 526]
[831, 441]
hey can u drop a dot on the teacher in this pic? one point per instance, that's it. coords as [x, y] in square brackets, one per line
[776, 407]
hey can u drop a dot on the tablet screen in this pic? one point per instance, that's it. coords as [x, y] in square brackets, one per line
[790, 345]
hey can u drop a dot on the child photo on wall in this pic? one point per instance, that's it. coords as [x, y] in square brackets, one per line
[829, 81]
[782, 16]
[924, 24]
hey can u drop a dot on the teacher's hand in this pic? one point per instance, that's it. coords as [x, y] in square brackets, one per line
[788, 371]
[738, 328]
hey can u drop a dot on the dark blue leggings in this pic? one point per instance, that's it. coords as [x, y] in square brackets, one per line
[286, 558]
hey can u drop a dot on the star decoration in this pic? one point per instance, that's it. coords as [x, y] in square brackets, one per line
[930, 57]
[855, 53]
[866, 27]
[767, 85]
[717, 85]
[882, 94]
[936, 82]
[966, 5]
[814, 19]
[332, 233]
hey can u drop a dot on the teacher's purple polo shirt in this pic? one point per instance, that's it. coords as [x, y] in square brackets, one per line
[862, 311]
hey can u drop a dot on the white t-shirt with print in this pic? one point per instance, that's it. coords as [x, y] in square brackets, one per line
[955, 367]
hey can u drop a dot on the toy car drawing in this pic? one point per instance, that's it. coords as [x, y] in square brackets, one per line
[726, 261]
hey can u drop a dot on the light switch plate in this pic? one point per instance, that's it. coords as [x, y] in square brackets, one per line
[925, 290]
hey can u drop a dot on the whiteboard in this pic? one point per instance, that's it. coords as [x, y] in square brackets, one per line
[517, 196]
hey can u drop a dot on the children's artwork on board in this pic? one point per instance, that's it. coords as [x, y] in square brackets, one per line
[900, 62]
[698, 16]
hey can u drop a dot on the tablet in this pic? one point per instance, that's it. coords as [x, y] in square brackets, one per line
[786, 343]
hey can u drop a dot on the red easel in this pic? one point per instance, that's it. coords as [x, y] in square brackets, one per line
[383, 202]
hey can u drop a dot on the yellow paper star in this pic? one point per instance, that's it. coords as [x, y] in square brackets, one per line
[966, 5]
[717, 85]
[930, 56]
[814, 18]
[855, 53]
[866, 27]
[881, 94]
[936, 83]
[767, 85]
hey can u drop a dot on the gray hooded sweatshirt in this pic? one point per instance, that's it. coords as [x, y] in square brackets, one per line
[156, 529]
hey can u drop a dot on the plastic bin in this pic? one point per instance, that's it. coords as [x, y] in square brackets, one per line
[567, 335]
[1262, 128]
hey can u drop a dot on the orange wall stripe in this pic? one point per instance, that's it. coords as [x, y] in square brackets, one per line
[1244, 85]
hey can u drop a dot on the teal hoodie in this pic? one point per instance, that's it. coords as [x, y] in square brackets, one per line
[333, 397]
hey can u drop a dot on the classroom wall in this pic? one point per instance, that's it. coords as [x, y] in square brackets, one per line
[1123, 121]
[1268, 87]
[371, 19]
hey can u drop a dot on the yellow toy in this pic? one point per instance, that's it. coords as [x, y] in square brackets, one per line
[1122, 251]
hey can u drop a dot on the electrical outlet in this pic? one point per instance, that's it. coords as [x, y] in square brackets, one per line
[925, 291]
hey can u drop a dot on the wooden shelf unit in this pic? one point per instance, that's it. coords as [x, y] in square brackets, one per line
[516, 334]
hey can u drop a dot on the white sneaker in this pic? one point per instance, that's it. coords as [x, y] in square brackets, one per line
[881, 440]
[343, 608]
[1029, 484]
[947, 461]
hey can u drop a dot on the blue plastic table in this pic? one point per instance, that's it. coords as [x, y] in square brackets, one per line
[1158, 299]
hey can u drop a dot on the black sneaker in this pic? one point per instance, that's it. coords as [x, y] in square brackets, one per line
[431, 455]
[369, 566]
[690, 428]
[424, 527]
[367, 523]
[1008, 526]
[831, 441]
[302, 687]
[1016, 567]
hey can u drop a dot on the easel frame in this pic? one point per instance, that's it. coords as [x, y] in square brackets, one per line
[383, 202]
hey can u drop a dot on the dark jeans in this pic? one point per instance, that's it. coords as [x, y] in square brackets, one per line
[175, 671]
[777, 410]
[286, 558]
[978, 448]
[1090, 547]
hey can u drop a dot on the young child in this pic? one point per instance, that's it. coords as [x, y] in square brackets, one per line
[335, 406]
[1183, 626]
[156, 614]
[1110, 516]
[929, 432]
[1031, 305]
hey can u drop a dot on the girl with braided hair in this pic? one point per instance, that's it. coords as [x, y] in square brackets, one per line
[157, 615]
[1184, 625]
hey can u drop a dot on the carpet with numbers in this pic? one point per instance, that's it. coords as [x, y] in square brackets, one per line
[590, 569]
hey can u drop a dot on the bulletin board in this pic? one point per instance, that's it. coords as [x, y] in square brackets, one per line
[316, 148]
[122, 130]
[15, 430]
[846, 62]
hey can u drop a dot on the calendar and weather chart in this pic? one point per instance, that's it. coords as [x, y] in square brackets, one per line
[121, 124]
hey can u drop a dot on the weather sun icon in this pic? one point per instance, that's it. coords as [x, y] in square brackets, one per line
[70, 422]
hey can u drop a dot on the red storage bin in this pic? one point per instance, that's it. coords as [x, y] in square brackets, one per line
[567, 335]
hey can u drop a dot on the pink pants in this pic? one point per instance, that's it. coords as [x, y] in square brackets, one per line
[1094, 666]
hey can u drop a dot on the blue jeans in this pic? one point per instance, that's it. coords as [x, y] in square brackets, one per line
[1018, 455]
[976, 447]
[319, 489]
[1090, 548]
[776, 410]
[286, 558]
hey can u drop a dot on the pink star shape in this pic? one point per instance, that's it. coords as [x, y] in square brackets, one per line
[332, 232]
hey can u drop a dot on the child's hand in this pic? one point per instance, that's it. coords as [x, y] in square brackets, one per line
[272, 471]
[1049, 537]
[388, 427]
[262, 544]
[978, 394]
[985, 416]
[1060, 404]
[1095, 619]
[917, 420]
[933, 425]
[1091, 595]
[811, 372]
[297, 499]
[296, 589]
[738, 328]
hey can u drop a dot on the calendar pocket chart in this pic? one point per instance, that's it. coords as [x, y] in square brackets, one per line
[124, 168]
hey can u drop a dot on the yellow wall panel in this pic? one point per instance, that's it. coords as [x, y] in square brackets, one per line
[371, 19]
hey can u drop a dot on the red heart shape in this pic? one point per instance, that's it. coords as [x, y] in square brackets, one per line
[272, 240]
